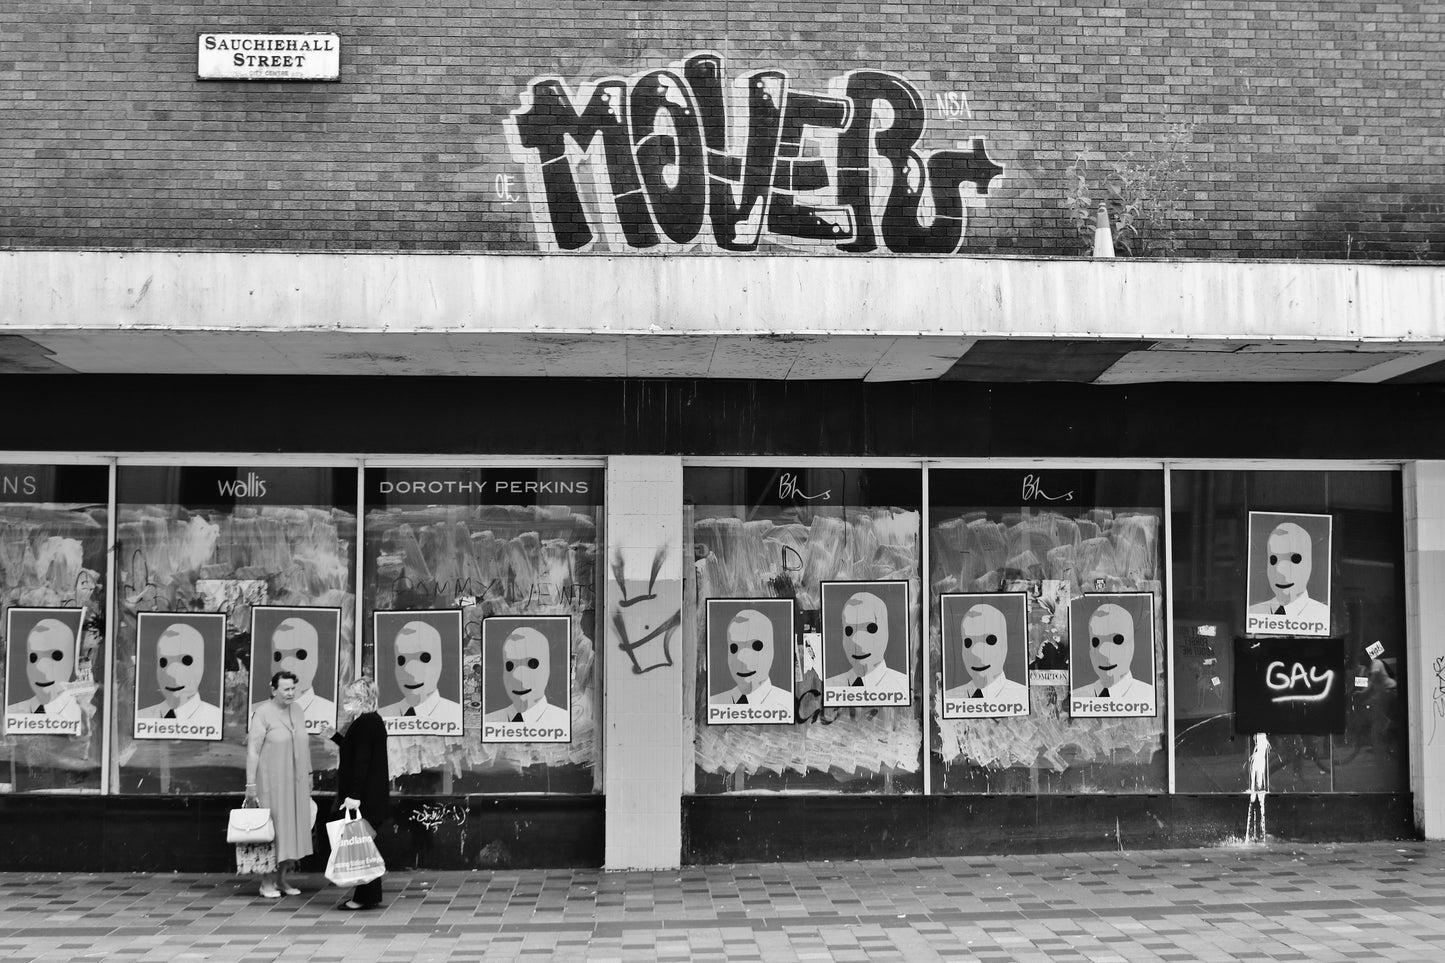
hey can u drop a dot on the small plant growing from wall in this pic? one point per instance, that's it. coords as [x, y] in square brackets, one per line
[1146, 195]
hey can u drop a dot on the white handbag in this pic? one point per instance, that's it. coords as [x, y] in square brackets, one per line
[250, 824]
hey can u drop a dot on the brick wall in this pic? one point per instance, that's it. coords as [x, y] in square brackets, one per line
[1316, 127]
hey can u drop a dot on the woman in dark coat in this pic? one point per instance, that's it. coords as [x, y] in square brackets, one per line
[361, 776]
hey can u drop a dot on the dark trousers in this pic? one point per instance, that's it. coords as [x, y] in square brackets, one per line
[368, 894]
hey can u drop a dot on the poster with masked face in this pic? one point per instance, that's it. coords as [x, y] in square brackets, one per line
[1112, 662]
[985, 655]
[178, 676]
[40, 653]
[1289, 575]
[419, 671]
[866, 648]
[526, 667]
[750, 654]
[303, 641]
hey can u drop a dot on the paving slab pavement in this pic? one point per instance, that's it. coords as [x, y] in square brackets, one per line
[1320, 903]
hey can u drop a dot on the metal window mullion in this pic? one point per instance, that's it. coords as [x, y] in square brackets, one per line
[358, 627]
[1167, 556]
[925, 594]
[112, 635]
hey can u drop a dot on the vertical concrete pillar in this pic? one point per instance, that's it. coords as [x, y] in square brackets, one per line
[642, 699]
[1425, 640]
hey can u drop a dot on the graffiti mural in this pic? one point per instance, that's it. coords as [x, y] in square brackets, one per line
[672, 159]
[646, 615]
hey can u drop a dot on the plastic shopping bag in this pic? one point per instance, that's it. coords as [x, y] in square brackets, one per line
[337, 826]
[354, 857]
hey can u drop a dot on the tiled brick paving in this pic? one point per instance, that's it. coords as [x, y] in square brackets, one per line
[1383, 901]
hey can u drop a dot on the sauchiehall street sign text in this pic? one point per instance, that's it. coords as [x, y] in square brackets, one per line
[261, 56]
[670, 166]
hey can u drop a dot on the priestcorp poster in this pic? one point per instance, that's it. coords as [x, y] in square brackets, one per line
[526, 676]
[178, 677]
[421, 690]
[750, 653]
[1289, 575]
[1112, 655]
[303, 641]
[41, 646]
[865, 644]
[985, 655]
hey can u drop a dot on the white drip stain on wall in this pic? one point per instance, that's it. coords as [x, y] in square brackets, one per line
[1255, 830]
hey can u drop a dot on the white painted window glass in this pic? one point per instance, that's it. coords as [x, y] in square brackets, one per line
[1353, 547]
[843, 544]
[514, 551]
[1084, 549]
[53, 530]
[201, 553]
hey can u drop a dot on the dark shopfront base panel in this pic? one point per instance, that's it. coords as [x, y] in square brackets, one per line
[45, 833]
[747, 829]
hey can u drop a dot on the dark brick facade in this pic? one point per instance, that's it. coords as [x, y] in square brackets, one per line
[1317, 126]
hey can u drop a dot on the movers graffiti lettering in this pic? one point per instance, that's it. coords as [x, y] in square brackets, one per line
[669, 159]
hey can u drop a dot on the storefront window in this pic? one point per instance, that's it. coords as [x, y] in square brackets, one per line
[481, 589]
[53, 531]
[1047, 631]
[842, 546]
[219, 570]
[1312, 555]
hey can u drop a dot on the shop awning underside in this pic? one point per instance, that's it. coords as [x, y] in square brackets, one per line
[1117, 321]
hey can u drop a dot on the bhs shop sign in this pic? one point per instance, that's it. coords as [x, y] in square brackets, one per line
[655, 159]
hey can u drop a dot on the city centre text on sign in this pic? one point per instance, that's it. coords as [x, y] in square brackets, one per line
[268, 56]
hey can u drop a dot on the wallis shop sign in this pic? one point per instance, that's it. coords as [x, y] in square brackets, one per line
[679, 159]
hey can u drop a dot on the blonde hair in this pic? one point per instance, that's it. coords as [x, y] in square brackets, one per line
[363, 693]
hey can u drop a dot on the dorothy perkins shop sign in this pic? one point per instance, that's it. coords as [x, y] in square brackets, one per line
[268, 56]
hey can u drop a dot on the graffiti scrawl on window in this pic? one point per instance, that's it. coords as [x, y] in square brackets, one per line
[669, 157]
